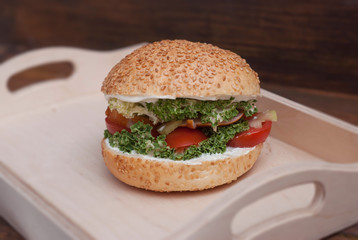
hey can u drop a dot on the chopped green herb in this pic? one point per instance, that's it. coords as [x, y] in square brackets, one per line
[141, 141]
[248, 107]
[208, 111]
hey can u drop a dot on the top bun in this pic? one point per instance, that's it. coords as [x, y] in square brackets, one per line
[182, 69]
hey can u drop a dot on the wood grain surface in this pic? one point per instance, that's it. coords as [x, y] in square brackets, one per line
[304, 50]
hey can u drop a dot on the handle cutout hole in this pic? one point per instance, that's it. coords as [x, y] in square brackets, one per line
[41, 73]
[286, 203]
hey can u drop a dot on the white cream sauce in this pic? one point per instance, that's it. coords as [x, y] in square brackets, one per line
[148, 98]
[230, 152]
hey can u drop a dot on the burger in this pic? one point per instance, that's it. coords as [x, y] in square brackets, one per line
[181, 116]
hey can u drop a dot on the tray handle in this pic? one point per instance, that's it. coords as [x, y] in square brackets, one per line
[89, 69]
[36, 58]
[329, 211]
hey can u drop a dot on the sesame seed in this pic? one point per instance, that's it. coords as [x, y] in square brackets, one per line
[178, 61]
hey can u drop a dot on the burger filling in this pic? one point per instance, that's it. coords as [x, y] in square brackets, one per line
[182, 129]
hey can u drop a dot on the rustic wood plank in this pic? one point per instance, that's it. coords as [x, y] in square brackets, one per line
[7, 232]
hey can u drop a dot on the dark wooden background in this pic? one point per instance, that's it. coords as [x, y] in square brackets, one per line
[308, 44]
[304, 50]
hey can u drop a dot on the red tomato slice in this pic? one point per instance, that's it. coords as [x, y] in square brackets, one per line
[114, 127]
[183, 137]
[251, 137]
[116, 122]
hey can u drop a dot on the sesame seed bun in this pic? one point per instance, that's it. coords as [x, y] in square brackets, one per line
[168, 175]
[179, 68]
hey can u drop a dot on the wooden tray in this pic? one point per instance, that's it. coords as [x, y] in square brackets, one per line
[54, 184]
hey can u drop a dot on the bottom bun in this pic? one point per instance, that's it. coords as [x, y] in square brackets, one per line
[169, 176]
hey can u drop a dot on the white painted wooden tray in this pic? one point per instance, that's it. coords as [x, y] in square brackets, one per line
[54, 184]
